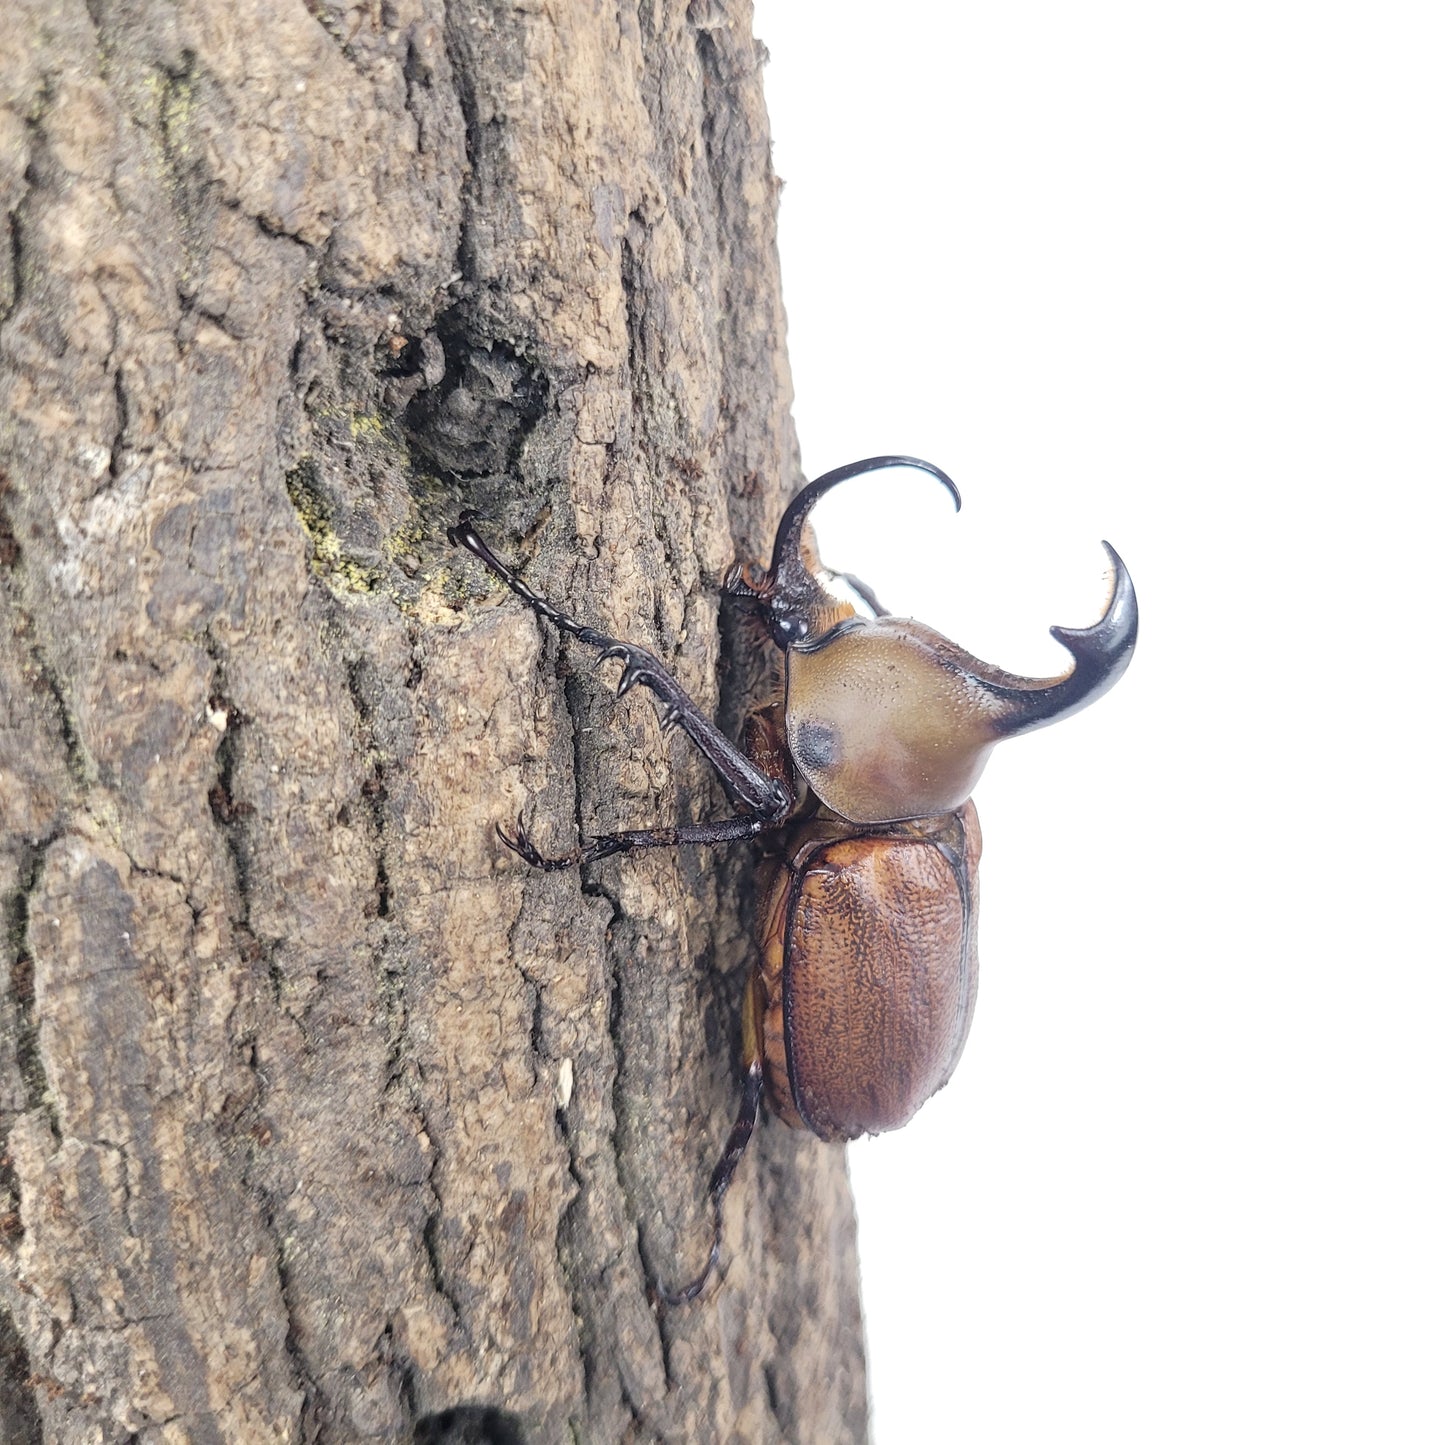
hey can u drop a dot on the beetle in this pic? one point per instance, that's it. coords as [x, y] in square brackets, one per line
[860, 775]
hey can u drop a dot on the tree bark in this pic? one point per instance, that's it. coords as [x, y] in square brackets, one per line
[323, 1117]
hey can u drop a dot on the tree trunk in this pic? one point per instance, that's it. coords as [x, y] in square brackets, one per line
[324, 1118]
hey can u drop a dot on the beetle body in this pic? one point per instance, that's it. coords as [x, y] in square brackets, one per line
[859, 781]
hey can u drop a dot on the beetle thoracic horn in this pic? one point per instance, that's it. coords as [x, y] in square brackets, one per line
[1101, 653]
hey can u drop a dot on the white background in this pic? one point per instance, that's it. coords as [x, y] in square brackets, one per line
[1171, 275]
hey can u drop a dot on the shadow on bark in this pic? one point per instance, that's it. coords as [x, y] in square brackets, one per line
[470, 1425]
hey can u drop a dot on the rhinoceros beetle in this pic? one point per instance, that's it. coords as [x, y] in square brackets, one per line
[860, 775]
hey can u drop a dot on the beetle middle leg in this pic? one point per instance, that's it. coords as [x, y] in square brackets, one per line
[762, 800]
[725, 830]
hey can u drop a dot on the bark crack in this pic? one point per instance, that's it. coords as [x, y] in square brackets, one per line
[571, 1225]
[75, 759]
[374, 789]
[306, 1381]
[592, 883]
[230, 814]
[9, 543]
[11, 557]
[28, 1059]
[10, 302]
[34, 135]
[20, 1422]
[432, 1247]
[122, 425]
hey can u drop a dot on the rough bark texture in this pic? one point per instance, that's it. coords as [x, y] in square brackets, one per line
[322, 1117]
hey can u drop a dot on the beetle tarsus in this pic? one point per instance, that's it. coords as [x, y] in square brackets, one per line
[722, 1177]
[526, 850]
[746, 579]
[672, 1298]
[640, 666]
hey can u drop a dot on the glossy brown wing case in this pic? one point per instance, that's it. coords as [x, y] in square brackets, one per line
[869, 972]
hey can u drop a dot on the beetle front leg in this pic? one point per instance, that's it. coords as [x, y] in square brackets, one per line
[749, 789]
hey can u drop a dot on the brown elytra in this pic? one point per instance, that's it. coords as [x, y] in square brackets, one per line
[869, 970]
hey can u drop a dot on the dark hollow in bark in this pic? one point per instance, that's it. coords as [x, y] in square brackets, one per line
[321, 1117]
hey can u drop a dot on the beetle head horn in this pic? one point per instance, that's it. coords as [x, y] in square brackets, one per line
[798, 606]
[787, 545]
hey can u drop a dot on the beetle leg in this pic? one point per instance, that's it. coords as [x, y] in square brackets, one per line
[765, 747]
[738, 1137]
[745, 785]
[747, 788]
[725, 830]
[865, 592]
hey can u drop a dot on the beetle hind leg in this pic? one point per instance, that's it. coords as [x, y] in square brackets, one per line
[722, 1177]
[733, 1150]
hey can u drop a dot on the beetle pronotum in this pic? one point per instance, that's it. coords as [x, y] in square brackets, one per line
[860, 776]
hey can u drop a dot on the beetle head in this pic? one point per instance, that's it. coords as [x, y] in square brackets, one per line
[886, 718]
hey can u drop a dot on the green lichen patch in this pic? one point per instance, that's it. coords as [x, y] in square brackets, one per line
[342, 572]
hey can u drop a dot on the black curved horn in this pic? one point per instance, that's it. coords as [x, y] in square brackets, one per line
[1101, 654]
[796, 605]
[786, 545]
